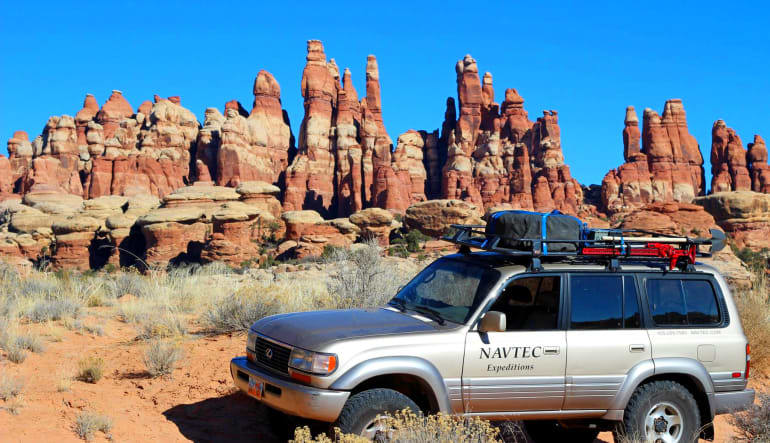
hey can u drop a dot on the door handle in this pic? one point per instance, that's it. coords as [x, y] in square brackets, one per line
[636, 348]
[551, 350]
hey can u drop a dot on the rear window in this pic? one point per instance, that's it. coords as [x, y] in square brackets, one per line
[682, 302]
[603, 302]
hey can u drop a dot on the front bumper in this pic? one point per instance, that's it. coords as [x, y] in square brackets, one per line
[729, 402]
[289, 397]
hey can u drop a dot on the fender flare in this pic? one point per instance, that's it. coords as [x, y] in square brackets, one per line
[413, 366]
[660, 366]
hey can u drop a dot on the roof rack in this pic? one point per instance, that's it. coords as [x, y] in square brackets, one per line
[612, 244]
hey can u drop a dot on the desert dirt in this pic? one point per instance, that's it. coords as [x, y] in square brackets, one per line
[197, 403]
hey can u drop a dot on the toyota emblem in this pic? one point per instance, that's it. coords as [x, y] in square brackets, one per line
[269, 353]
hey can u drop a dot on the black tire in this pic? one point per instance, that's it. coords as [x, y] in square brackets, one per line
[648, 396]
[362, 408]
[552, 431]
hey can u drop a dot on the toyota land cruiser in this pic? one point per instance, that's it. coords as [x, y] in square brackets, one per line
[569, 346]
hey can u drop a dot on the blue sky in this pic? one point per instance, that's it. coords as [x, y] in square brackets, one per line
[587, 62]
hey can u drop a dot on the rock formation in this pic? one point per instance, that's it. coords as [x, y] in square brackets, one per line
[744, 215]
[310, 177]
[666, 167]
[734, 168]
[497, 156]
[434, 217]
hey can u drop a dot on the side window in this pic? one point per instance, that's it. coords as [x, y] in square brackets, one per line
[530, 303]
[631, 316]
[666, 302]
[596, 301]
[701, 301]
[682, 302]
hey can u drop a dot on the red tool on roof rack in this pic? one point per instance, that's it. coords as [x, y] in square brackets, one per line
[613, 244]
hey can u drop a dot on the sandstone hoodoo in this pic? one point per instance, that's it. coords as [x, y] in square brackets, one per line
[163, 187]
[734, 168]
[666, 166]
[496, 155]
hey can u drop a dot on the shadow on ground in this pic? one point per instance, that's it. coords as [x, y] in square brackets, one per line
[232, 418]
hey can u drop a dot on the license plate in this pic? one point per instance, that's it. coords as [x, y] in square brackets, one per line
[256, 388]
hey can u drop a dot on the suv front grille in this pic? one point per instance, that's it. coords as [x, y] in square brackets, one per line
[272, 356]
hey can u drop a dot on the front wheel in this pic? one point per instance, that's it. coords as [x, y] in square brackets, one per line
[661, 411]
[363, 412]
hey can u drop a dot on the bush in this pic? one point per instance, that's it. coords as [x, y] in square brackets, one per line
[127, 283]
[753, 424]
[238, 312]
[754, 310]
[87, 423]
[90, 369]
[408, 427]
[363, 279]
[53, 309]
[161, 357]
[17, 354]
[10, 387]
[160, 324]
[30, 342]
[756, 261]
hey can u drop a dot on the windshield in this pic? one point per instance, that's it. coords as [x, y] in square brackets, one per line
[451, 288]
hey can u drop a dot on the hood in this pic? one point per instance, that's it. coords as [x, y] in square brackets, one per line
[312, 330]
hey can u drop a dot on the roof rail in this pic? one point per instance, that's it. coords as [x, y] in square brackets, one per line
[615, 244]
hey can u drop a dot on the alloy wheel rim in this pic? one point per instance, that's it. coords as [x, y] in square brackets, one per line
[663, 424]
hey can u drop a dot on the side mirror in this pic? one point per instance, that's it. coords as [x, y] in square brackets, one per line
[493, 321]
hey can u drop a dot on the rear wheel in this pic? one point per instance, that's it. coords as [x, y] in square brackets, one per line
[363, 412]
[551, 431]
[661, 412]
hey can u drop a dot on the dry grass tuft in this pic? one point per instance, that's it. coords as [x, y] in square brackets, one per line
[88, 423]
[754, 309]
[238, 312]
[753, 424]
[16, 354]
[408, 427]
[10, 387]
[161, 357]
[90, 369]
[31, 342]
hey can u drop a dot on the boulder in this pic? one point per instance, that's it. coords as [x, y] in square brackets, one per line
[236, 234]
[298, 222]
[433, 217]
[374, 223]
[744, 215]
[261, 195]
[72, 248]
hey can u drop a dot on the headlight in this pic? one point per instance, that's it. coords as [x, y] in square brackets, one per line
[251, 346]
[313, 362]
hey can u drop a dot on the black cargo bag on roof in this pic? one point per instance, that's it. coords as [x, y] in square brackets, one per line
[517, 229]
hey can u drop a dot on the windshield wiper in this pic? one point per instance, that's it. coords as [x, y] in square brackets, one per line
[434, 314]
[398, 304]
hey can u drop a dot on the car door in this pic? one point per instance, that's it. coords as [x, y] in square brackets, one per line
[605, 337]
[522, 368]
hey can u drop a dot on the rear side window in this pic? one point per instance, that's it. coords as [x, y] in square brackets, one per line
[682, 302]
[603, 302]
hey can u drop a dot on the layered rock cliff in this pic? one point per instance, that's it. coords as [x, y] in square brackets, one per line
[114, 182]
[662, 163]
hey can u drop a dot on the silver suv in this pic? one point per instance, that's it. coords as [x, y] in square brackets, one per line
[571, 348]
